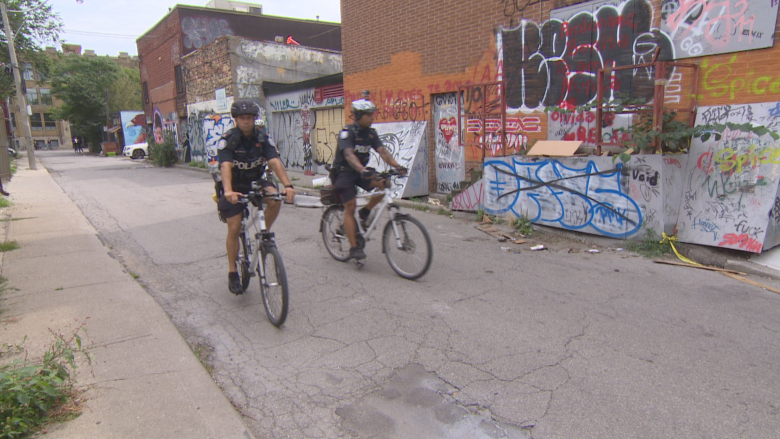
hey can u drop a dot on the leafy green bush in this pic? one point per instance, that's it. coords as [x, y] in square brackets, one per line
[523, 226]
[32, 392]
[163, 154]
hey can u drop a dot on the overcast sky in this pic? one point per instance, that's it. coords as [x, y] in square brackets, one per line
[112, 26]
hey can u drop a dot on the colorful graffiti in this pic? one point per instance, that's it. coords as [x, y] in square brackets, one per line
[165, 123]
[470, 199]
[700, 28]
[555, 64]
[200, 31]
[133, 126]
[449, 155]
[397, 105]
[582, 126]
[589, 195]
[730, 79]
[731, 184]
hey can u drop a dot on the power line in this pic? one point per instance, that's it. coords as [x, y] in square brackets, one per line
[99, 34]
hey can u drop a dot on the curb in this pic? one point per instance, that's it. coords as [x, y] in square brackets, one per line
[752, 268]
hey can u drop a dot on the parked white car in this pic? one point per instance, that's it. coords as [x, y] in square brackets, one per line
[136, 151]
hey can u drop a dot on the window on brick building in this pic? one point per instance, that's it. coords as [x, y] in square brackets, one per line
[49, 123]
[32, 97]
[179, 80]
[146, 93]
[27, 71]
[45, 96]
[36, 122]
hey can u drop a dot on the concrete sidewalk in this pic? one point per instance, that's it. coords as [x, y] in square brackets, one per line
[144, 382]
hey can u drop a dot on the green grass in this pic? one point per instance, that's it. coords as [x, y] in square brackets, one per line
[8, 246]
[480, 215]
[5, 202]
[443, 211]
[13, 169]
[650, 247]
[448, 199]
[36, 392]
[134, 275]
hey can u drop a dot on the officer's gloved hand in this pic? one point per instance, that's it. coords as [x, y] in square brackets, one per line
[367, 173]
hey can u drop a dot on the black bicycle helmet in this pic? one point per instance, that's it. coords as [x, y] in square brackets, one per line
[244, 107]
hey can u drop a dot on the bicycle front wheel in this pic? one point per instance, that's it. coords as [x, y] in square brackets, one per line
[333, 236]
[243, 261]
[407, 247]
[273, 285]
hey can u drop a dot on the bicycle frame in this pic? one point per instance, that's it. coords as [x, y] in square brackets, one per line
[387, 204]
[253, 228]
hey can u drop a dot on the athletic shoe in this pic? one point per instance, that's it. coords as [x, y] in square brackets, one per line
[357, 253]
[234, 283]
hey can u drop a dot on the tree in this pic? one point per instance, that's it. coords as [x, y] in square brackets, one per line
[125, 92]
[81, 84]
[35, 26]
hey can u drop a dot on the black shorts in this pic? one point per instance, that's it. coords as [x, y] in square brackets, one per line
[229, 210]
[345, 185]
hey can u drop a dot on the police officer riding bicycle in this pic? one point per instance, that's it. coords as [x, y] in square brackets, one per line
[244, 152]
[349, 168]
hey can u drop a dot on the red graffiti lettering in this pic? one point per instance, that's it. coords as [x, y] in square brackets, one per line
[743, 241]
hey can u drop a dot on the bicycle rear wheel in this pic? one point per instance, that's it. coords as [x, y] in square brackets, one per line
[243, 262]
[407, 247]
[333, 236]
[273, 284]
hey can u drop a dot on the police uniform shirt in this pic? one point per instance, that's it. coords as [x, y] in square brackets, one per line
[249, 156]
[362, 140]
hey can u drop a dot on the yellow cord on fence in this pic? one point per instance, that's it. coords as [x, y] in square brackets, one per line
[670, 240]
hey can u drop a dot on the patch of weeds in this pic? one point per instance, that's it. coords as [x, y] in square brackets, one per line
[443, 211]
[8, 246]
[5, 202]
[36, 392]
[203, 165]
[651, 246]
[134, 275]
[294, 179]
[203, 353]
[18, 219]
[523, 226]
[498, 219]
[480, 215]
[193, 164]
[59, 289]
[448, 199]
[13, 169]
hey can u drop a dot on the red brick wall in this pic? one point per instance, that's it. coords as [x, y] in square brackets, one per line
[159, 51]
[405, 51]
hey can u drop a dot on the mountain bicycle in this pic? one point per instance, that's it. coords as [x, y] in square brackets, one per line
[258, 256]
[405, 242]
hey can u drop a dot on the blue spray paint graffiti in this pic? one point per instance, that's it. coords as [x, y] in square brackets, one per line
[550, 193]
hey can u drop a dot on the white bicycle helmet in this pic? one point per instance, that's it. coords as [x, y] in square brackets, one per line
[361, 106]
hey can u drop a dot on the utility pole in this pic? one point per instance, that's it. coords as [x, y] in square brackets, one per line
[21, 99]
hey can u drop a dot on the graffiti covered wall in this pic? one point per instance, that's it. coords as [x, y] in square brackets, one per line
[449, 155]
[586, 194]
[133, 126]
[555, 63]
[303, 143]
[730, 187]
[699, 28]
[407, 142]
[582, 126]
[206, 123]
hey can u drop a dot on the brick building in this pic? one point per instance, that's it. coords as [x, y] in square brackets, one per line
[233, 68]
[414, 65]
[188, 28]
